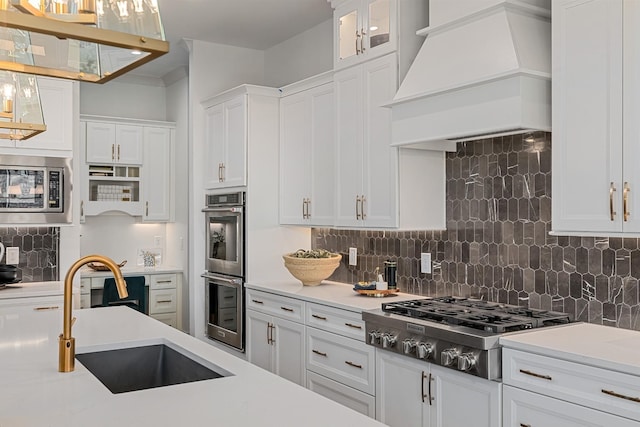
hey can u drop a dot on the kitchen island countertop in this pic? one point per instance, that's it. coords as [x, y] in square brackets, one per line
[32, 290]
[34, 393]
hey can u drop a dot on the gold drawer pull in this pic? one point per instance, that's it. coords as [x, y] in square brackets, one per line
[355, 365]
[533, 374]
[625, 199]
[164, 281]
[286, 309]
[319, 353]
[612, 212]
[53, 307]
[257, 301]
[525, 425]
[164, 301]
[315, 316]
[351, 325]
[229, 297]
[621, 396]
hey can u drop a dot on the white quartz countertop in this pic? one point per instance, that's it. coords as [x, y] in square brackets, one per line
[32, 290]
[340, 295]
[596, 345]
[130, 270]
[34, 393]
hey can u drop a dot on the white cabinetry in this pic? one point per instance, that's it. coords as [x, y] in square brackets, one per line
[595, 130]
[128, 167]
[28, 305]
[415, 393]
[275, 334]
[307, 155]
[366, 29]
[570, 388]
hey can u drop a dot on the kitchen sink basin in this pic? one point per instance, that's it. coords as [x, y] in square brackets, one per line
[123, 370]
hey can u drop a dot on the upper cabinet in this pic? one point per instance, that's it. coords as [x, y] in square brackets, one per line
[56, 97]
[230, 118]
[307, 154]
[595, 126]
[127, 167]
[366, 29]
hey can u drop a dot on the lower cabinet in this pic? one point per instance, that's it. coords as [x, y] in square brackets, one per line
[28, 305]
[277, 345]
[416, 393]
[524, 408]
[349, 397]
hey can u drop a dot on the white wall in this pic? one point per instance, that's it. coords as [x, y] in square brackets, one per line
[122, 98]
[299, 57]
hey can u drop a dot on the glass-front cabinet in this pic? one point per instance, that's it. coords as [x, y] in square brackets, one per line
[363, 29]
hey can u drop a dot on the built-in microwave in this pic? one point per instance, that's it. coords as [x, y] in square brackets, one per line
[35, 190]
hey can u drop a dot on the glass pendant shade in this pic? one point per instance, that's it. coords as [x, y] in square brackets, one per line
[21, 113]
[87, 40]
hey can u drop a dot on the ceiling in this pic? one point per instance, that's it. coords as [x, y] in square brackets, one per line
[255, 24]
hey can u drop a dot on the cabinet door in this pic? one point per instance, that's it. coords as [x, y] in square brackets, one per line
[259, 349]
[235, 116]
[288, 350]
[101, 142]
[349, 149]
[295, 158]
[587, 116]
[380, 165]
[524, 408]
[346, 39]
[214, 149]
[322, 184]
[481, 398]
[129, 142]
[380, 33]
[157, 174]
[56, 97]
[401, 390]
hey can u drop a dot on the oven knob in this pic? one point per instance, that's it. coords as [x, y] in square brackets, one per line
[466, 361]
[374, 337]
[408, 346]
[448, 356]
[388, 340]
[424, 350]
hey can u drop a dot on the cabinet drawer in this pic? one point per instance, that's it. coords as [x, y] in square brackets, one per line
[170, 319]
[347, 396]
[524, 408]
[341, 359]
[162, 281]
[343, 322]
[27, 305]
[597, 388]
[85, 300]
[85, 286]
[163, 301]
[286, 308]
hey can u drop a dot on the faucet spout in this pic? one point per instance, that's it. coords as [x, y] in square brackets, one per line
[67, 344]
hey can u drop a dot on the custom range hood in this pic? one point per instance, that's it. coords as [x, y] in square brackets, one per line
[484, 70]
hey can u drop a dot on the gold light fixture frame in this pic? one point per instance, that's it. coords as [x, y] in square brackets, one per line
[73, 28]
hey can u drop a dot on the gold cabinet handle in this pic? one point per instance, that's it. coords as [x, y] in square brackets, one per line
[118, 152]
[625, 200]
[315, 316]
[163, 281]
[308, 204]
[533, 374]
[621, 396]
[362, 34]
[53, 307]
[319, 353]
[304, 215]
[612, 190]
[290, 310]
[355, 365]
[164, 301]
[81, 208]
[525, 425]
[273, 328]
[146, 206]
[113, 151]
[257, 301]
[424, 376]
[224, 172]
[351, 325]
[357, 38]
[363, 207]
[268, 333]
[430, 397]
[357, 207]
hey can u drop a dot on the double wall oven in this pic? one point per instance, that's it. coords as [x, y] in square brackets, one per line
[225, 269]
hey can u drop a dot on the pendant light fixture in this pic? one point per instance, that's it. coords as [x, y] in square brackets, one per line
[21, 112]
[87, 40]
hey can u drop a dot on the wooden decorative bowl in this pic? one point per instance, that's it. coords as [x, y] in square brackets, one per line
[98, 266]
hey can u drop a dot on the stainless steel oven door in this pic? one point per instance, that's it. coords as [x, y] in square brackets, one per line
[224, 300]
[225, 240]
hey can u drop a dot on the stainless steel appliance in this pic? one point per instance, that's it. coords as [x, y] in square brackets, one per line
[224, 278]
[35, 190]
[458, 333]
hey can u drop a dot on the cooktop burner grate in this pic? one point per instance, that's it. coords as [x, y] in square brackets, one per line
[477, 314]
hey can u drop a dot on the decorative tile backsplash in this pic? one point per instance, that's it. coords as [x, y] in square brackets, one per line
[497, 244]
[38, 247]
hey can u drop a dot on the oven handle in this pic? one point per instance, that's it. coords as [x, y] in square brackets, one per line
[234, 281]
[232, 209]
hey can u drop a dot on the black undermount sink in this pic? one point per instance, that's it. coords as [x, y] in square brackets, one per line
[123, 370]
